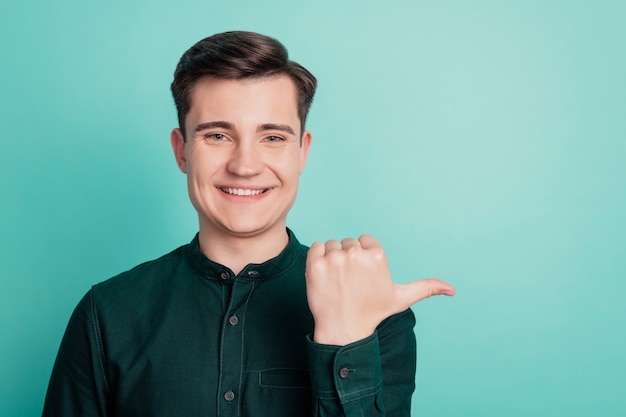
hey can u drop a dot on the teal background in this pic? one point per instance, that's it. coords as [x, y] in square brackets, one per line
[482, 142]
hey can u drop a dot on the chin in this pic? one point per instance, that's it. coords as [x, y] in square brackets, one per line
[247, 230]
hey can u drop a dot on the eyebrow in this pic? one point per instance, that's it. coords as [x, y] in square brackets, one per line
[214, 125]
[274, 126]
[229, 126]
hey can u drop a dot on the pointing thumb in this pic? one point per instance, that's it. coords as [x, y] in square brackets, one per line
[413, 292]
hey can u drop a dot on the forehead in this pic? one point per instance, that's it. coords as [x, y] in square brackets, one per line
[242, 102]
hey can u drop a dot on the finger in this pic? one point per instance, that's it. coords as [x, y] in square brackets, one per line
[369, 242]
[316, 250]
[332, 245]
[350, 242]
[419, 290]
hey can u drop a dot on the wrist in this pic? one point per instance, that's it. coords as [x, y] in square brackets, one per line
[340, 336]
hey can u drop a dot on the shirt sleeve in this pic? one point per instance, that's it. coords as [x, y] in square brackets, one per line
[373, 377]
[78, 384]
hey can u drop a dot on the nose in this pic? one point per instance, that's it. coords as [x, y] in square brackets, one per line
[245, 160]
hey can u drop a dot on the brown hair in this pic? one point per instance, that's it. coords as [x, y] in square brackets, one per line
[238, 55]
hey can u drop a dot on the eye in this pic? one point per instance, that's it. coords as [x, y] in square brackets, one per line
[215, 136]
[274, 139]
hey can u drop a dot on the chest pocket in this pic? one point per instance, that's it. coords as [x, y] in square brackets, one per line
[279, 392]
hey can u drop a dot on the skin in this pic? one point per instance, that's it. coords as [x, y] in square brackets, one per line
[243, 137]
[350, 291]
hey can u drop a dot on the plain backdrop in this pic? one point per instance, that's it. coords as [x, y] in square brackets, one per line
[483, 142]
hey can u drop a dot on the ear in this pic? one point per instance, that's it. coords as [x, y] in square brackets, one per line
[305, 144]
[178, 146]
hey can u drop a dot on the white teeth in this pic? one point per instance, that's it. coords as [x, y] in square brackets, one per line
[242, 191]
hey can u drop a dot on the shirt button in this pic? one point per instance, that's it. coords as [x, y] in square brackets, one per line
[224, 275]
[253, 273]
[233, 320]
[344, 373]
[229, 396]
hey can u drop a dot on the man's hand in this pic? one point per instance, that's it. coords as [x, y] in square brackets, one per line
[350, 291]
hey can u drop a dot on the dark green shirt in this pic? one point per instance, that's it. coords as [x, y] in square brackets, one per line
[183, 336]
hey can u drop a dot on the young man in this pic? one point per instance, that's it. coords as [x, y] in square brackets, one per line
[244, 320]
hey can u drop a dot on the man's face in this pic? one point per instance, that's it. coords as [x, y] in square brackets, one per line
[243, 154]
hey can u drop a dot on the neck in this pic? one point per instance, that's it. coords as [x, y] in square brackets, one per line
[236, 252]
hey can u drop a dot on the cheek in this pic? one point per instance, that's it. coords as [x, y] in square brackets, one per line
[288, 170]
[293, 176]
[200, 164]
[291, 165]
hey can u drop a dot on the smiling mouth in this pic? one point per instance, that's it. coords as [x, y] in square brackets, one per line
[243, 191]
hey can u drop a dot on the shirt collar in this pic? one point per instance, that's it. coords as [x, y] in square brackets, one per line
[265, 270]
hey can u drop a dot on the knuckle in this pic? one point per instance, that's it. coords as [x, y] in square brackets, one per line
[314, 269]
[353, 252]
[335, 257]
[315, 248]
[378, 254]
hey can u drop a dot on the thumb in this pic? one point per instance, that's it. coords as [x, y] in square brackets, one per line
[411, 293]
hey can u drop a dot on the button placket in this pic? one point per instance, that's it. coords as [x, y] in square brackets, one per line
[231, 351]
